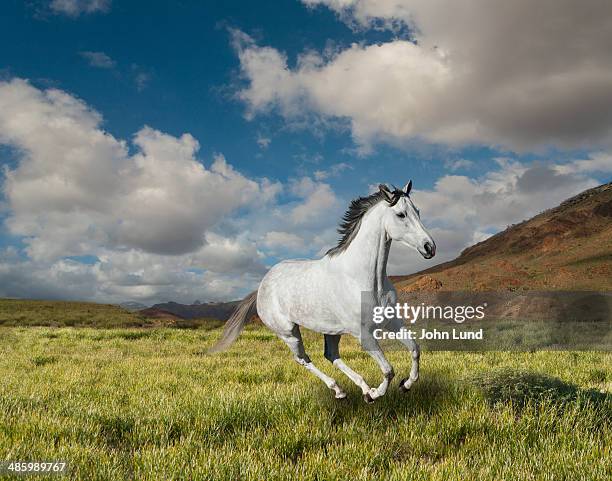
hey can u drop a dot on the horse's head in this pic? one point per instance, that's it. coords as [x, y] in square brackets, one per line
[402, 221]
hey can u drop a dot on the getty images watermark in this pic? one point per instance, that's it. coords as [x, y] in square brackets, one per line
[411, 313]
[489, 320]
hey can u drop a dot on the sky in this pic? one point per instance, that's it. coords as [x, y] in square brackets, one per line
[176, 150]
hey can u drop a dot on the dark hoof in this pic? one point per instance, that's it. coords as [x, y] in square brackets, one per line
[403, 388]
[367, 398]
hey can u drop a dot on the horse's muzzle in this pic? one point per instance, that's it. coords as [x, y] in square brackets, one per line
[430, 250]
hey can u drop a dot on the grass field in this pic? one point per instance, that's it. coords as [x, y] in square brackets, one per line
[27, 312]
[151, 404]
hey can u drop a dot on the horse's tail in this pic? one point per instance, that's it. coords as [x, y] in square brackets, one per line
[235, 324]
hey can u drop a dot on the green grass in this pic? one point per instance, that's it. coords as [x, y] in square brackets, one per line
[150, 404]
[26, 312]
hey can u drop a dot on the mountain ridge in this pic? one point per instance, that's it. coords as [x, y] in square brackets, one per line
[199, 310]
[566, 247]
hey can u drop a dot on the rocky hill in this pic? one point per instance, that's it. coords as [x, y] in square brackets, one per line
[567, 247]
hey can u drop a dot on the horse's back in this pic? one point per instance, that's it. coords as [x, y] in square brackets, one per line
[289, 277]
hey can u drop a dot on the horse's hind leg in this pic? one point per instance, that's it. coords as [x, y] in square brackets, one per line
[294, 341]
[332, 354]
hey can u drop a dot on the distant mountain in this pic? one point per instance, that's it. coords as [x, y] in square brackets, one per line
[210, 310]
[154, 313]
[132, 306]
[565, 248]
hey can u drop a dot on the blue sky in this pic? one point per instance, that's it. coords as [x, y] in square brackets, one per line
[185, 51]
[308, 104]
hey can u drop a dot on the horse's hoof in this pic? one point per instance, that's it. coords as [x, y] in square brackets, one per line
[402, 386]
[367, 398]
[340, 396]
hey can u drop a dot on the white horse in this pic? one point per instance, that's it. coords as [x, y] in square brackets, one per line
[325, 295]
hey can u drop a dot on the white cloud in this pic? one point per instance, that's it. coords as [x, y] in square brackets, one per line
[119, 276]
[596, 162]
[224, 255]
[161, 224]
[76, 187]
[263, 142]
[372, 105]
[301, 227]
[98, 59]
[283, 241]
[318, 199]
[74, 8]
[500, 198]
[333, 171]
[501, 73]
[458, 164]
[76, 190]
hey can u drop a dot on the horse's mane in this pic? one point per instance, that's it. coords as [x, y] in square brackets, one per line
[351, 221]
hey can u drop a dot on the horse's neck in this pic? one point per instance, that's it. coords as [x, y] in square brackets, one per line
[366, 256]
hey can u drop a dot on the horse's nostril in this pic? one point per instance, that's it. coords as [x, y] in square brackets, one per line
[429, 248]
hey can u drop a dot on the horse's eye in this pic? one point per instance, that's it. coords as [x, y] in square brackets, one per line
[401, 215]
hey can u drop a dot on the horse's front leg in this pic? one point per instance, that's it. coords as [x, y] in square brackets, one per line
[373, 349]
[405, 384]
[332, 354]
[387, 370]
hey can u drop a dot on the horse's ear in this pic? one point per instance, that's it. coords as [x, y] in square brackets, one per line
[386, 192]
[408, 188]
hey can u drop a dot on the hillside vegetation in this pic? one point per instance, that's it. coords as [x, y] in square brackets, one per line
[26, 312]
